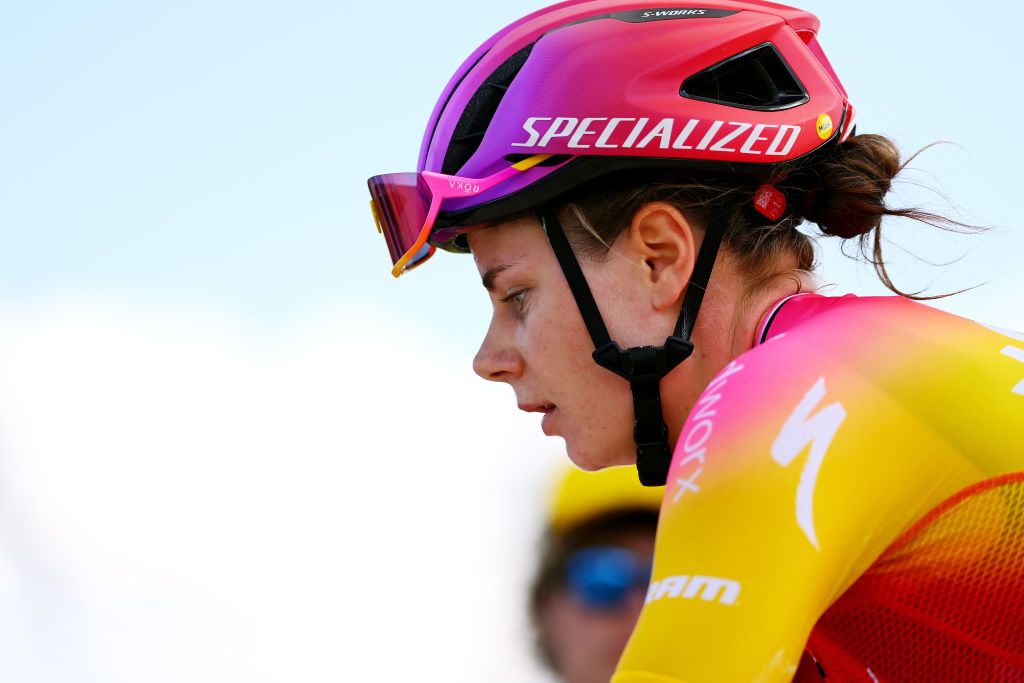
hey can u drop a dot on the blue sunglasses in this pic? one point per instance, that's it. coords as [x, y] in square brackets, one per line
[602, 577]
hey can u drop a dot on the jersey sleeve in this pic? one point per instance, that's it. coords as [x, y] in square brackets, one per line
[775, 504]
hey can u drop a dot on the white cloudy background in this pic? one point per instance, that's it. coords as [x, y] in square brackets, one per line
[231, 446]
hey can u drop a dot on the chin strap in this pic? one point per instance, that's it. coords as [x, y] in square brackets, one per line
[642, 366]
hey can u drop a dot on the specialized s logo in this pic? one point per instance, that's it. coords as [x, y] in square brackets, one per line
[800, 431]
[603, 132]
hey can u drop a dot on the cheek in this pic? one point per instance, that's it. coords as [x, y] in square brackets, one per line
[625, 310]
[557, 347]
[553, 333]
[595, 406]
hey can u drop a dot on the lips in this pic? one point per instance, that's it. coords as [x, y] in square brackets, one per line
[547, 424]
[537, 407]
[547, 409]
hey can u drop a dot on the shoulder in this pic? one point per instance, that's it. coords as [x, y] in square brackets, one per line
[829, 321]
[861, 372]
[794, 386]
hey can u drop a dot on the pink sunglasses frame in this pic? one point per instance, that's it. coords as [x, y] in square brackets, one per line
[444, 187]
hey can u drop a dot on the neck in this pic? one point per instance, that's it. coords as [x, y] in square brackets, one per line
[752, 308]
[726, 328]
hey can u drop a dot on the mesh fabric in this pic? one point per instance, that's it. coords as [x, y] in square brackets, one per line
[945, 602]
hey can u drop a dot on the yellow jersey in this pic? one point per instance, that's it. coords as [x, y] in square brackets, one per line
[845, 502]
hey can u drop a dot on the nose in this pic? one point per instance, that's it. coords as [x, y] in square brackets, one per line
[497, 360]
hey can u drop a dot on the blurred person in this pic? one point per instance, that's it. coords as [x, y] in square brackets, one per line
[593, 570]
[845, 475]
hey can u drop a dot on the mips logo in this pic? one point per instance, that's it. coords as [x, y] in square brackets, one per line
[824, 126]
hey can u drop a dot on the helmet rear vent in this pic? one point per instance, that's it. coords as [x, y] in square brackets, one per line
[472, 125]
[756, 79]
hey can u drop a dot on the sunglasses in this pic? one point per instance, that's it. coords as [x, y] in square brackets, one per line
[602, 578]
[405, 207]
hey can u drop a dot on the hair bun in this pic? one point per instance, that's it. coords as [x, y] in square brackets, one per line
[847, 198]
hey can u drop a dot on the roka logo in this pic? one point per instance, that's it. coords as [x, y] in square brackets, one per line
[603, 132]
[468, 188]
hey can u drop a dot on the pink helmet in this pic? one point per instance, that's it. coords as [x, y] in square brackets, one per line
[588, 88]
[608, 85]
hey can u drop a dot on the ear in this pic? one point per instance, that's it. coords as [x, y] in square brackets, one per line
[665, 243]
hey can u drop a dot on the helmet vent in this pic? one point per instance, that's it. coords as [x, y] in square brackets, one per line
[472, 125]
[756, 79]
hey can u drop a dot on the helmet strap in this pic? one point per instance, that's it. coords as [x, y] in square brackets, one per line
[642, 366]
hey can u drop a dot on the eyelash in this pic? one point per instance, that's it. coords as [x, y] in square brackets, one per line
[518, 296]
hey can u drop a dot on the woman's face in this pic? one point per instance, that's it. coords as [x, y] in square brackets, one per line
[538, 344]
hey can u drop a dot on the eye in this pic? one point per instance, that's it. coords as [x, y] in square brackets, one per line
[518, 297]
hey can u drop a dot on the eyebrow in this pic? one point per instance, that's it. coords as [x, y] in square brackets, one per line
[492, 273]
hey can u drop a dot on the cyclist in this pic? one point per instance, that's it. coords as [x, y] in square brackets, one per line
[843, 474]
[592, 571]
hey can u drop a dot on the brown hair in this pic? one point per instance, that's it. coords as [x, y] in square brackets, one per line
[843, 193]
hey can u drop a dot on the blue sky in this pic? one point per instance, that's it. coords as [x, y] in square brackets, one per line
[204, 361]
[216, 154]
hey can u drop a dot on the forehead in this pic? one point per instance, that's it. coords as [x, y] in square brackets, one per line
[517, 240]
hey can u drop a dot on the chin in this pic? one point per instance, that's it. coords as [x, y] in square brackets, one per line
[593, 459]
